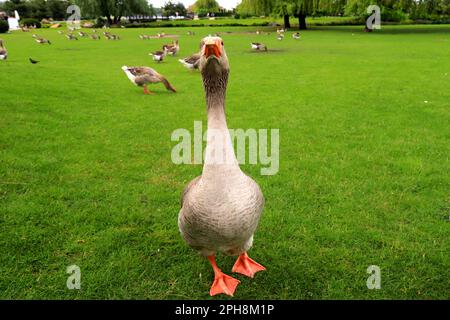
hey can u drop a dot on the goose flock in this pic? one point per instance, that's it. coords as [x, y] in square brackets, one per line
[221, 208]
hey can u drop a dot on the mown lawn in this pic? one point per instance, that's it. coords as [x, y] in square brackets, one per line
[86, 176]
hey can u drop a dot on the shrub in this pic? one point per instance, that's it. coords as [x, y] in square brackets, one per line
[100, 22]
[4, 26]
[29, 22]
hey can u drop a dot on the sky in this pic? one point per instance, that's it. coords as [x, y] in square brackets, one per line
[228, 4]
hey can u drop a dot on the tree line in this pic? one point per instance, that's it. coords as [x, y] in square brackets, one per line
[391, 10]
[114, 10]
[111, 10]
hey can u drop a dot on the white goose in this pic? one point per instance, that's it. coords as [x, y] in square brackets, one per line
[3, 51]
[221, 208]
[158, 56]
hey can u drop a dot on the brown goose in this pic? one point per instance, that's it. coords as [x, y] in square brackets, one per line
[3, 51]
[172, 49]
[258, 46]
[191, 62]
[43, 41]
[220, 209]
[70, 36]
[142, 76]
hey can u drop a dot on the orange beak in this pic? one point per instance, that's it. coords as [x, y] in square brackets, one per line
[212, 48]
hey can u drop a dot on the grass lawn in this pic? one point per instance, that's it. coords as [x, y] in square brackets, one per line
[86, 176]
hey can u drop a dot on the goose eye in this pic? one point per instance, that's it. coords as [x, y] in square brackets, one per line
[222, 43]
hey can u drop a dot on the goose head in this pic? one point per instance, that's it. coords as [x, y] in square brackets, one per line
[214, 67]
[213, 62]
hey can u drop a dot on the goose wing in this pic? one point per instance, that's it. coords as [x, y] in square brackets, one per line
[193, 59]
[143, 71]
[188, 188]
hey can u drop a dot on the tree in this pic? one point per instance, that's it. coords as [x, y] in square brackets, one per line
[39, 9]
[255, 7]
[302, 8]
[211, 6]
[57, 8]
[283, 9]
[114, 10]
[172, 9]
[20, 5]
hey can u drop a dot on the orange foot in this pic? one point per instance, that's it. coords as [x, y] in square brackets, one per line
[146, 91]
[222, 282]
[247, 266]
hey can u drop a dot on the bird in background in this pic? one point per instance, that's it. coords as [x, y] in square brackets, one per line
[143, 76]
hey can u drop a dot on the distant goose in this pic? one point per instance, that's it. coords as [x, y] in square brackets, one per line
[258, 46]
[33, 61]
[191, 33]
[95, 37]
[110, 36]
[158, 56]
[191, 62]
[43, 41]
[142, 76]
[161, 35]
[172, 49]
[71, 36]
[82, 34]
[3, 51]
[144, 36]
[280, 37]
[280, 31]
[296, 35]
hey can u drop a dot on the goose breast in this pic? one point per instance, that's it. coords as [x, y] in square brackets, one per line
[221, 213]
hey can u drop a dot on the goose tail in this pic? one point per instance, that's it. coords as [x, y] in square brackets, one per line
[184, 63]
[167, 84]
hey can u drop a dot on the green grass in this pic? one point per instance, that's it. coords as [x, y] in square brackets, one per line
[86, 176]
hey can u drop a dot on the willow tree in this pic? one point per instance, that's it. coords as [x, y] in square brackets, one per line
[206, 6]
[304, 8]
[255, 7]
[283, 9]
